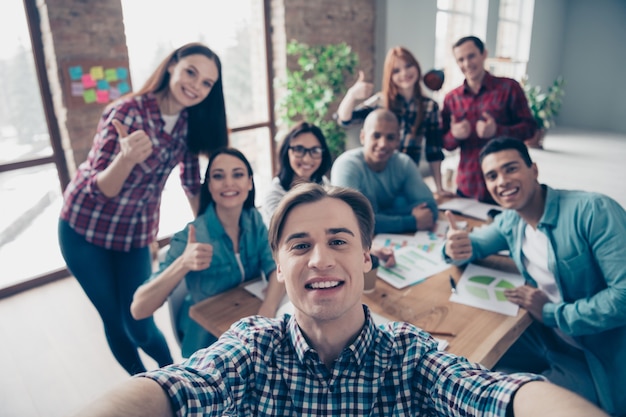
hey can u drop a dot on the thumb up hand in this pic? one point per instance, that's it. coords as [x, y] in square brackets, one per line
[135, 147]
[197, 256]
[486, 128]
[458, 244]
[361, 89]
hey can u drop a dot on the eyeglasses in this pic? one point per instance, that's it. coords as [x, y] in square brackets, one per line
[299, 151]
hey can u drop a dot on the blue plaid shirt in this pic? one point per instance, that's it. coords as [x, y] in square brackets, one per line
[265, 367]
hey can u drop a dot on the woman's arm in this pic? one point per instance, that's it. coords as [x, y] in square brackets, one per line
[134, 149]
[273, 296]
[151, 295]
[358, 92]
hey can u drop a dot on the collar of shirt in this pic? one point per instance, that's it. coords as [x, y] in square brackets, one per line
[488, 83]
[355, 352]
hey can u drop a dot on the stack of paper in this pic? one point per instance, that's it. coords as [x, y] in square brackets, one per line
[469, 207]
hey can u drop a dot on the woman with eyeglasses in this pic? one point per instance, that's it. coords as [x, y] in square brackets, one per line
[303, 157]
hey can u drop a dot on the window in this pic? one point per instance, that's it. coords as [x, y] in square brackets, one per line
[30, 189]
[513, 39]
[455, 19]
[236, 32]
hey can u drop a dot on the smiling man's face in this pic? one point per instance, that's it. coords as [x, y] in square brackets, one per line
[510, 181]
[321, 260]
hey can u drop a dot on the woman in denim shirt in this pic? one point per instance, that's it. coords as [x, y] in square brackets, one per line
[223, 247]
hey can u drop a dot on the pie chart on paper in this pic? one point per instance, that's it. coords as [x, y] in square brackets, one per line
[484, 288]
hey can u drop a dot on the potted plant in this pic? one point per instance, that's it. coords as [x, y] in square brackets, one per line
[315, 85]
[544, 107]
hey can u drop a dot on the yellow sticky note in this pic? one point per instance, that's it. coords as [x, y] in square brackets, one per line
[97, 73]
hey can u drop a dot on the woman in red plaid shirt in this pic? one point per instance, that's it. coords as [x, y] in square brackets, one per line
[110, 214]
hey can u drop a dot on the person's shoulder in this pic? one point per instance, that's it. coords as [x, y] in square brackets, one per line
[401, 337]
[261, 333]
[583, 201]
[455, 92]
[400, 159]
[351, 155]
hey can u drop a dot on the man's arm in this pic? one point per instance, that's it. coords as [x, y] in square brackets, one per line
[600, 262]
[525, 125]
[538, 398]
[135, 397]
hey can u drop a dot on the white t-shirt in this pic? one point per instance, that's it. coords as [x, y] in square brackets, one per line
[170, 122]
[535, 257]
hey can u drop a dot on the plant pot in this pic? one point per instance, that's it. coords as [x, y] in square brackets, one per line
[536, 141]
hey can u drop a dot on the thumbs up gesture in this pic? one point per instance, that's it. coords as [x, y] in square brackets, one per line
[486, 127]
[135, 147]
[361, 89]
[460, 129]
[197, 256]
[458, 244]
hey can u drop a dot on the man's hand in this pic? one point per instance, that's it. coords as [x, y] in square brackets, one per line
[460, 130]
[486, 128]
[385, 255]
[135, 147]
[531, 298]
[423, 217]
[458, 244]
[197, 256]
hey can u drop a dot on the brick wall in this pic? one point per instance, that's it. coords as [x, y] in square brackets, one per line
[319, 22]
[77, 30]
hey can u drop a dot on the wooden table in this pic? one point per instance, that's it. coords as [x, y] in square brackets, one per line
[480, 335]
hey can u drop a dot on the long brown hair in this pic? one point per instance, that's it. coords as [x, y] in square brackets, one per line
[207, 129]
[390, 93]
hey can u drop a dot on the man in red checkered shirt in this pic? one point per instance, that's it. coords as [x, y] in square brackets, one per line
[483, 107]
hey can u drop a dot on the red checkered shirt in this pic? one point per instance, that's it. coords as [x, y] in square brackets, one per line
[504, 100]
[130, 219]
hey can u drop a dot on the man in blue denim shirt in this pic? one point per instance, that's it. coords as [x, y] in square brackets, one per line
[569, 245]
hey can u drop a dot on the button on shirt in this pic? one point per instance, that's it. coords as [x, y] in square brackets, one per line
[504, 100]
[130, 219]
[265, 367]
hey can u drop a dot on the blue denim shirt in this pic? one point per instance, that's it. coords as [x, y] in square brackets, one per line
[587, 255]
[224, 272]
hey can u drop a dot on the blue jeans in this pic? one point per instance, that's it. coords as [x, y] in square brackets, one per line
[110, 278]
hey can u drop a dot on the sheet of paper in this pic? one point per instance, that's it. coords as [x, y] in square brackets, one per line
[413, 265]
[482, 287]
[469, 207]
[257, 289]
[379, 320]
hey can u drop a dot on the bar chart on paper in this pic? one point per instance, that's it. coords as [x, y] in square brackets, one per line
[413, 265]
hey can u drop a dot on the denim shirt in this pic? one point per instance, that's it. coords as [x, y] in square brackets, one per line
[587, 255]
[224, 272]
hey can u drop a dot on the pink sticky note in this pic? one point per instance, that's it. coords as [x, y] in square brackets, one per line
[102, 96]
[88, 81]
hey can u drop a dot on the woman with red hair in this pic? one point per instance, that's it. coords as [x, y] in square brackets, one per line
[401, 93]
